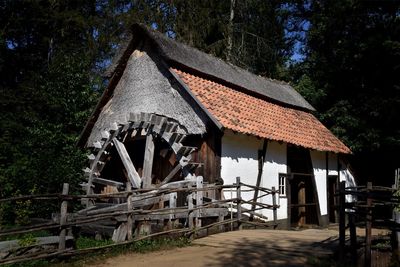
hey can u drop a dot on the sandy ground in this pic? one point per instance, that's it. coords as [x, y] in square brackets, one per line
[239, 248]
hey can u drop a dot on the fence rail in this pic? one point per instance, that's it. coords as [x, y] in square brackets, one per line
[140, 207]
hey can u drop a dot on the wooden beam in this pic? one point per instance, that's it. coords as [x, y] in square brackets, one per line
[261, 159]
[126, 160]
[148, 161]
[171, 174]
[107, 182]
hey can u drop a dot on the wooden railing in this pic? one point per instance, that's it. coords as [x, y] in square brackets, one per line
[362, 211]
[138, 207]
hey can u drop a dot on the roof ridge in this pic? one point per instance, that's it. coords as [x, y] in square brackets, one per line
[174, 51]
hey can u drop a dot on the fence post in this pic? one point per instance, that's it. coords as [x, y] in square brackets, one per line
[239, 203]
[368, 226]
[199, 199]
[342, 221]
[275, 213]
[190, 209]
[353, 237]
[129, 222]
[63, 218]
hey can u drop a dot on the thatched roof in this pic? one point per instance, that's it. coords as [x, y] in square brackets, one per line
[178, 53]
[145, 87]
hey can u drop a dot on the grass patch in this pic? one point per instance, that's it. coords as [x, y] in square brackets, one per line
[86, 242]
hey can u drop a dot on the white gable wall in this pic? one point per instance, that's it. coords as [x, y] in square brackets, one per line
[239, 157]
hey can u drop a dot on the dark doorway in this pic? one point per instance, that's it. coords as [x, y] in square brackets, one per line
[303, 201]
[332, 199]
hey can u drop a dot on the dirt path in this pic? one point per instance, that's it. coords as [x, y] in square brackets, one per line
[239, 248]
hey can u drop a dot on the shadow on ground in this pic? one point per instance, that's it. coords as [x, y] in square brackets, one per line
[288, 252]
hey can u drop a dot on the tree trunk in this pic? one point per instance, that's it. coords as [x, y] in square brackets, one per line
[230, 32]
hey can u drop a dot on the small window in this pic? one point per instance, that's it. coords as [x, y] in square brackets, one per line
[282, 185]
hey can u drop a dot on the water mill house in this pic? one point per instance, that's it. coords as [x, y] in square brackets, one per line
[214, 120]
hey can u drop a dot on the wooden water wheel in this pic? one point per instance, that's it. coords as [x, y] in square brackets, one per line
[145, 152]
[138, 152]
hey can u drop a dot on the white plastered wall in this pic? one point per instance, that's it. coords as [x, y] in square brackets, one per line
[318, 160]
[239, 157]
[347, 176]
[275, 163]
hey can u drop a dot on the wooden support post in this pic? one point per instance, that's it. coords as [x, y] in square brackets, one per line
[275, 213]
[239, 203]
[129, 223]
[222, 226]
[342, 221]
[199, 199]
[172, 205]
[63, 218]
[261, 157]
[190, 213]
[148, 161]
[353, 237]
[289, 202]
[126, 160]
[368, 226]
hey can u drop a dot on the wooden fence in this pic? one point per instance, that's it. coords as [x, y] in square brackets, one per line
[136, 210]
[364, 210]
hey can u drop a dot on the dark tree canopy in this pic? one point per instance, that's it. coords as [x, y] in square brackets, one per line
[351, 74]
[53, 52]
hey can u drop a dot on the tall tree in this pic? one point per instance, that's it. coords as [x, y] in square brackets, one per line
[352, 76]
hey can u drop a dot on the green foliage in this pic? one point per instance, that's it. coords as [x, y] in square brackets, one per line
[87, 242]
[48, 91]
[27, 240]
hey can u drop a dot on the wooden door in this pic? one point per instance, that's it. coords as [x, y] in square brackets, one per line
[332, 199]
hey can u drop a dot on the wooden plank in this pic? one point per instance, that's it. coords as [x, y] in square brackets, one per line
[179, 184]
[126, 160]
[199, 200]
[164, 215]
[172, 203]
[8, 245]
[171, 174]
[120, 233]
[117, 207]
[129, 223]
[190, 198]
[148, 161]
[107, 182]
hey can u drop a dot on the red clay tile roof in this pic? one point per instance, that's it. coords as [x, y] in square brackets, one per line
[250, 115]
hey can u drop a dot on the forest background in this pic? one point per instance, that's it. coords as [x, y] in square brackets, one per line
[343, 56]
